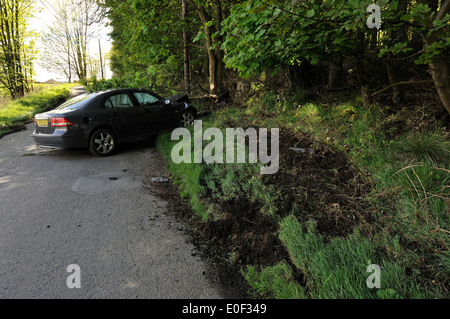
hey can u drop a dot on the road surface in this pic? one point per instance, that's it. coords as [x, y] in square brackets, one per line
[60, 208]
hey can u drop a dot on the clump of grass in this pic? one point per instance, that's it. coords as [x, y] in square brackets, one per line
[274, 282]
[421, 214]
[424, 147]
[239, 182]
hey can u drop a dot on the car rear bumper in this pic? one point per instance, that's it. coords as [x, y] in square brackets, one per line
[59, 140]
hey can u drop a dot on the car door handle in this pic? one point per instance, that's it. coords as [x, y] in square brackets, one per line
[116, 114]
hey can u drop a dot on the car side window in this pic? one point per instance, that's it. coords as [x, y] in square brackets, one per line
[118, 101]
[145, 98]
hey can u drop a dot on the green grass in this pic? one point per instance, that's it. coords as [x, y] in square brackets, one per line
[186, 176]
[274, 282]
[338, 269]
[22, 110]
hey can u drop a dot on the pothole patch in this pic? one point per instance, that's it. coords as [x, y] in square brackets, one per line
[102, 183]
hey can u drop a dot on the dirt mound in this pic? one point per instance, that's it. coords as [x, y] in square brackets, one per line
[321, 184]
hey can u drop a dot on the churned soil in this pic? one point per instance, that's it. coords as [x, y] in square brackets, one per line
[316, 182]
[321, 184]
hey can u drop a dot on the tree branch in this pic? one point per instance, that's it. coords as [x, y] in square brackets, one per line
[401, 83]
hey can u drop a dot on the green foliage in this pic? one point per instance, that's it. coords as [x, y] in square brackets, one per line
[148, 47]
[240, 182]
[276, 34]
[421, 213]
[279, 34]
[137, 80]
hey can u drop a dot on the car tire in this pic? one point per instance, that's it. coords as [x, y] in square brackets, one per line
[187, 118]
[102, 143]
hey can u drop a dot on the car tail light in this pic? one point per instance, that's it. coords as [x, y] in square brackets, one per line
[60, 121]
[35, 123]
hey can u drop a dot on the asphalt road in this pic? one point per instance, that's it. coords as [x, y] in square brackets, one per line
[59, 208]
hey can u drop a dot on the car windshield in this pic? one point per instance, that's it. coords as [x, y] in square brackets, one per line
[76, 102]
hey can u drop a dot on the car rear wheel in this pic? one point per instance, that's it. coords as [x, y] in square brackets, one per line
[102, 143]
[187, 118]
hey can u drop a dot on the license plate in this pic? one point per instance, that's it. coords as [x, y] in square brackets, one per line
[42, 122]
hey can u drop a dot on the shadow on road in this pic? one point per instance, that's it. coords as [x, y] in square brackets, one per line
[137, 146]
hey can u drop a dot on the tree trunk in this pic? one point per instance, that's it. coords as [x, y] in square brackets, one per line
[392, 70]
[366, 92]
[393, 67]
[335, 73]
[362, 75]
[211, 55]
[187, 73]
[217, 40]
[439, 66]
[215, 54]
[441, 78]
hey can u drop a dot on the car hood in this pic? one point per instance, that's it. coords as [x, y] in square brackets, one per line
[179, 98]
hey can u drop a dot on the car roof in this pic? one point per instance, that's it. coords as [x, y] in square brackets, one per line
[125, 90]
[107, 93]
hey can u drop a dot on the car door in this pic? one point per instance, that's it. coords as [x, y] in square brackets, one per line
[158, 115]
[125, 116]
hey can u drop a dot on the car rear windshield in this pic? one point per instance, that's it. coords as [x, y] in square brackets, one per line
[76, 102]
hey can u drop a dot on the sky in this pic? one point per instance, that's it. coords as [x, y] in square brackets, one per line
[44, 18]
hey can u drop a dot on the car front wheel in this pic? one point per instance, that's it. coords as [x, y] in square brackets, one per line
[102, 143]
[187, 118]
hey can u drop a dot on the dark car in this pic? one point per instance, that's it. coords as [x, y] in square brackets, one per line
[99, 121]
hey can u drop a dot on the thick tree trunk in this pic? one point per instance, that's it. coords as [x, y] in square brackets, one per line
[211, 55]
[215, 54]
[439, 66]
[441, 78]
